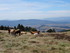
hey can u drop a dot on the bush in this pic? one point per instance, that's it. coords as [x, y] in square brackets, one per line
[51, 30]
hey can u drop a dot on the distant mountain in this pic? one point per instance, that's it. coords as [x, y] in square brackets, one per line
[25, 22]
[62, 20]
[31, 22]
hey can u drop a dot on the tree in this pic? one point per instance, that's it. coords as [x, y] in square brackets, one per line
[4, 27]
[34, 29]
[51, 30]
[1, 27]
[21, 27]
[15, 27]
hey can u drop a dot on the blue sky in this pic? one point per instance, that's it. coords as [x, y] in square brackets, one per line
[33, 9]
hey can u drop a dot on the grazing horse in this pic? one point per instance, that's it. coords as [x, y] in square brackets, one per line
[18, 31]
[35, 32]
[14, 31]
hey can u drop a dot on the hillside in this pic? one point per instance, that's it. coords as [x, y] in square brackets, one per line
[27, 43]
[57, 27]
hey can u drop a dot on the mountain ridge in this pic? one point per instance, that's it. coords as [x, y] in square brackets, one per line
[35, 21]
[24, 22]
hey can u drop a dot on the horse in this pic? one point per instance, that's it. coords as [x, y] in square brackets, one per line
[14, 31]
[35, 32]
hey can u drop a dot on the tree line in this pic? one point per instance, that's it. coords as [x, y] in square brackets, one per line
[19, 26]
[23, 28]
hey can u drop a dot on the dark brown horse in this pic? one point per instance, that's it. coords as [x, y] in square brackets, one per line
[14, 31]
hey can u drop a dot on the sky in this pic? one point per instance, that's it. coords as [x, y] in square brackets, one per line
[33, 9]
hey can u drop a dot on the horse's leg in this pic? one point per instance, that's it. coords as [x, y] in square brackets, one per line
[19, 33]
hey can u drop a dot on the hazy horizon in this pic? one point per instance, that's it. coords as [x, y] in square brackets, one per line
[33, 9]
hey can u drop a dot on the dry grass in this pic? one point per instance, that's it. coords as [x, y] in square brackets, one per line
[27, 43]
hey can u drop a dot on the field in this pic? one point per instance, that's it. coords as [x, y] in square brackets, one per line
[28, 43]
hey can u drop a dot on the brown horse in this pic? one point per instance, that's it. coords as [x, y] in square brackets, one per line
[14, 31]
[35, 32]
[18, 31]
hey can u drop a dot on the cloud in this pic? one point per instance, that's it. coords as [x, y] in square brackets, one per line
[59, 11]
[25, 5]
[4, 8]
[34, 14]
[9, 1]
[33, 9]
